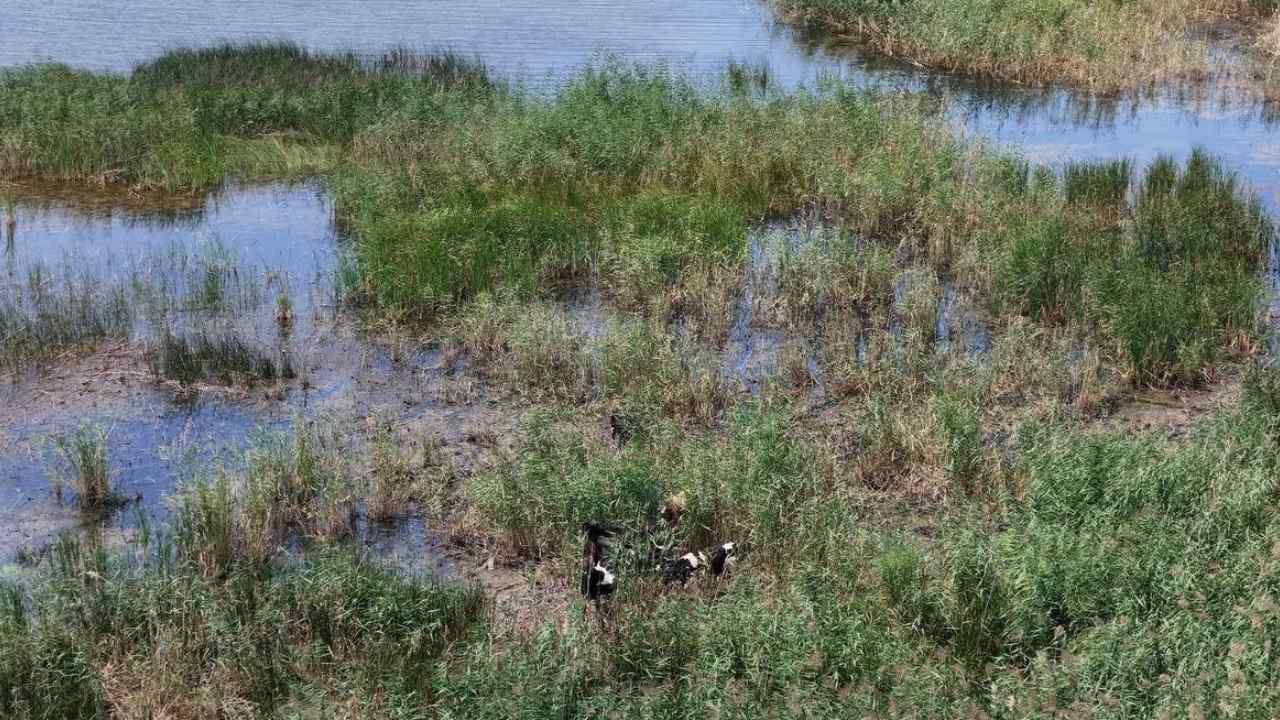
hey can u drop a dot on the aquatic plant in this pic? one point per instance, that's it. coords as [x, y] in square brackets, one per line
[47, 313]
[1104, 181]
[225, 358]
[333, 617]
[191, 118]
[84, 465]
[1172, 289]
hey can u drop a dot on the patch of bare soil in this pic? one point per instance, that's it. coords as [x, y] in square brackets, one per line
[525, 596]
[1172, 412]
[109, 378]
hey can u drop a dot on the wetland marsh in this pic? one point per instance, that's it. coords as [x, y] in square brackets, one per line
[317, 362]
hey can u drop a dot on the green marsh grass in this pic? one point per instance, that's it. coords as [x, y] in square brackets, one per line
[1127, 583]
[940, 536]
[48, 313]
[84, 465]
[289, 484]
[1100, 182]
[227, 359]
[645, 184]
[1131, 575]
[159, 637]
[191, 118]
[1101, 47]
[1171, 290]
[1074, 248]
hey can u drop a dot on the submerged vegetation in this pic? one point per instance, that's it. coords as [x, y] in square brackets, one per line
[227, 359]
[931, 521]
[192, 305]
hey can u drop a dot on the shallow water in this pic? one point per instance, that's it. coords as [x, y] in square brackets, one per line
[285, 227]
[155, 438]
[289, 230]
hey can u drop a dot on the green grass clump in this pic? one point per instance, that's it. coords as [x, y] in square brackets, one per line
[1104, 47]
[747, 489]
[191, 118]
[1169, 291]
[1262, 389]
[85, 467]
[436, 258]
[226, 359]
[99, 637]
[1098, 182]
[652, 243]
[291, 484]
[634, 173]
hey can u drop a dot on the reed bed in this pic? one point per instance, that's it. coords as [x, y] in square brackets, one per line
[191, 118]
[640, 182]
[1100, 47]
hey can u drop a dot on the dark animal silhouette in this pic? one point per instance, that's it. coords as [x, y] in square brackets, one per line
[597, 581]
[722, 559]
[683, 568]
[621, 430]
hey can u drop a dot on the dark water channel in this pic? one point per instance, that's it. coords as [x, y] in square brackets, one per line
[286, 234]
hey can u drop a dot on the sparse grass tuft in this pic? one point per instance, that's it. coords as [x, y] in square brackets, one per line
[405, 473]
[47, 314]
[86, 468]
[226, 359]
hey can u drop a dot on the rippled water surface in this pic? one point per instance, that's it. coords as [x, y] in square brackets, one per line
[530, 38]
